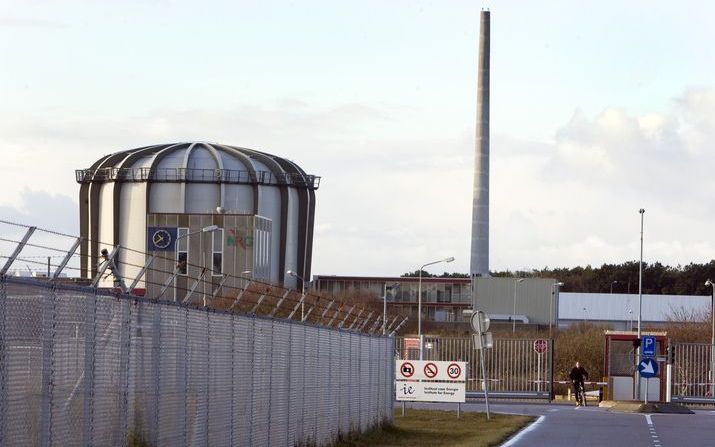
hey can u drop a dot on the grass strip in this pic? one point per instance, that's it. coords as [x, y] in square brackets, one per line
[441, 428]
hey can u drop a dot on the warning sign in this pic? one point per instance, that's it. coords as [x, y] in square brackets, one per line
[541, 346]
[430, 370]
[406, 369]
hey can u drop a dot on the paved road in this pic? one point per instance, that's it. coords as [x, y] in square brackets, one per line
[565, 425]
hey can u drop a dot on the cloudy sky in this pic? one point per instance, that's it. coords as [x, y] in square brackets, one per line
[597, 111]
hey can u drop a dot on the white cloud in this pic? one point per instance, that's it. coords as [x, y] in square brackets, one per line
[393, 197]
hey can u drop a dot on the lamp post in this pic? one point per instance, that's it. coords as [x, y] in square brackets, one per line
[554, 288]
[513, 315]
[419, 301]
[302, 283]
[640, 308]
[712, 335]
[614, 282]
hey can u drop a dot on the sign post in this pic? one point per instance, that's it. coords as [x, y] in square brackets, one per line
[540, 347]
[480, 324]
[647, 364]
[647, 368]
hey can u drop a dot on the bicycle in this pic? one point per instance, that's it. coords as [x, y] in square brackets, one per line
[581, 395]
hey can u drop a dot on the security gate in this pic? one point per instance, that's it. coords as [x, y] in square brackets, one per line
[520, 368]
[692, 379]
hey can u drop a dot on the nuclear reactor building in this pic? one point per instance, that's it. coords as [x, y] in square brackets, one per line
[203, 207]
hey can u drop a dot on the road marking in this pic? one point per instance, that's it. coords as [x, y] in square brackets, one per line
[653, 435]
[518, 436]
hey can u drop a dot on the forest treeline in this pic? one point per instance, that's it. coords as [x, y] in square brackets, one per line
[618, 278]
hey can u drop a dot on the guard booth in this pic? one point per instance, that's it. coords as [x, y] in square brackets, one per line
[621, 365]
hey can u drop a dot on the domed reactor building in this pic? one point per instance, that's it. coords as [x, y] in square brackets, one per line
[199, 207]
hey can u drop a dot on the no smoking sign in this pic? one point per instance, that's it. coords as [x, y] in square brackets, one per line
[431, 370]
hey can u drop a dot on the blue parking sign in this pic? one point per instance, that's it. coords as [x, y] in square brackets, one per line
[648, 346]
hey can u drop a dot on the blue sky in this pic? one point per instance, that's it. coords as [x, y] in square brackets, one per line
[598, 109]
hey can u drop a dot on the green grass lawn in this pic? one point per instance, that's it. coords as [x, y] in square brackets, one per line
[442, 428]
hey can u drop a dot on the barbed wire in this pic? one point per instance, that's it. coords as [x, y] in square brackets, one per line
[255, 297]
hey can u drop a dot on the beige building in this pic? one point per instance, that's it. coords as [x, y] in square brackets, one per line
[517, 301]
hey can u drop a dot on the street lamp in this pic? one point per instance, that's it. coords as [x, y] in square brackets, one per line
[614, 282]
[302, 282]
[513, 315]
[554, 287]
[712, 334]
[640, 307]
[419, 300]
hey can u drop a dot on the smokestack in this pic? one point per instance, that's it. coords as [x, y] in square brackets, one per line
[479, 263]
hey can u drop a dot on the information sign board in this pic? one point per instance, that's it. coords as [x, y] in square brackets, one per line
[430, 391]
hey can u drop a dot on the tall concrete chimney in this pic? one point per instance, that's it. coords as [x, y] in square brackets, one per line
[479, 265]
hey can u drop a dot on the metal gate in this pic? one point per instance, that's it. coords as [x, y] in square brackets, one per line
[514, 367]
[692, 379]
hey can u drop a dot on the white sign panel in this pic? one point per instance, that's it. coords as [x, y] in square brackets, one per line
[430, 391]
[430, 370]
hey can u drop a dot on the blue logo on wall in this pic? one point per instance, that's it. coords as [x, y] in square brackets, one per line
[160, 238]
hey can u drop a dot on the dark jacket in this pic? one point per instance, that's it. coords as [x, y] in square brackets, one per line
[578, 374]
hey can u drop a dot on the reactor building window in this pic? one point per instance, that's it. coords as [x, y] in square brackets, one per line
[217, 252]
[182, 250]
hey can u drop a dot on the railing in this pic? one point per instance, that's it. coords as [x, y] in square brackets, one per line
[691, 373]
[190, 175]
[514, 369]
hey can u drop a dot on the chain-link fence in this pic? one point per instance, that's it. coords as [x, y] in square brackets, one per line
[81, 368]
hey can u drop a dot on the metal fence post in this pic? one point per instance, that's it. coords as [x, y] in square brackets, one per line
[551, 369]
[3, 362]
[233, 380]
[124, 365]
[90, 328]
[48, 338]
[184, 389]
[155, 369]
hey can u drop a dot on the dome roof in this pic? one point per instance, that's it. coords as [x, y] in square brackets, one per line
[197, 162]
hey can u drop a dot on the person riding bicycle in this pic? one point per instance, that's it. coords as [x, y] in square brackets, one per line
[577, 376]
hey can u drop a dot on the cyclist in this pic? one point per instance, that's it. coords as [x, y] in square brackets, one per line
[577, 376]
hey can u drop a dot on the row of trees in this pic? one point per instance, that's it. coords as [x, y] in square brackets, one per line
[618, 278]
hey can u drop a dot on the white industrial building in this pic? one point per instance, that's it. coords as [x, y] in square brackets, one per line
[620, 311]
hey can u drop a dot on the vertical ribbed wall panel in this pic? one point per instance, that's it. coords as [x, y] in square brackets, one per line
[336, 390]
[262, 341]
[279, 409]
[68, 380]
[310, 395]
[346, 376]
[22, 367]
[322, 415]
[297, 392]
[198, 371]
[108, 394]
[171, 380]
[220, 381]
[243, 379]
